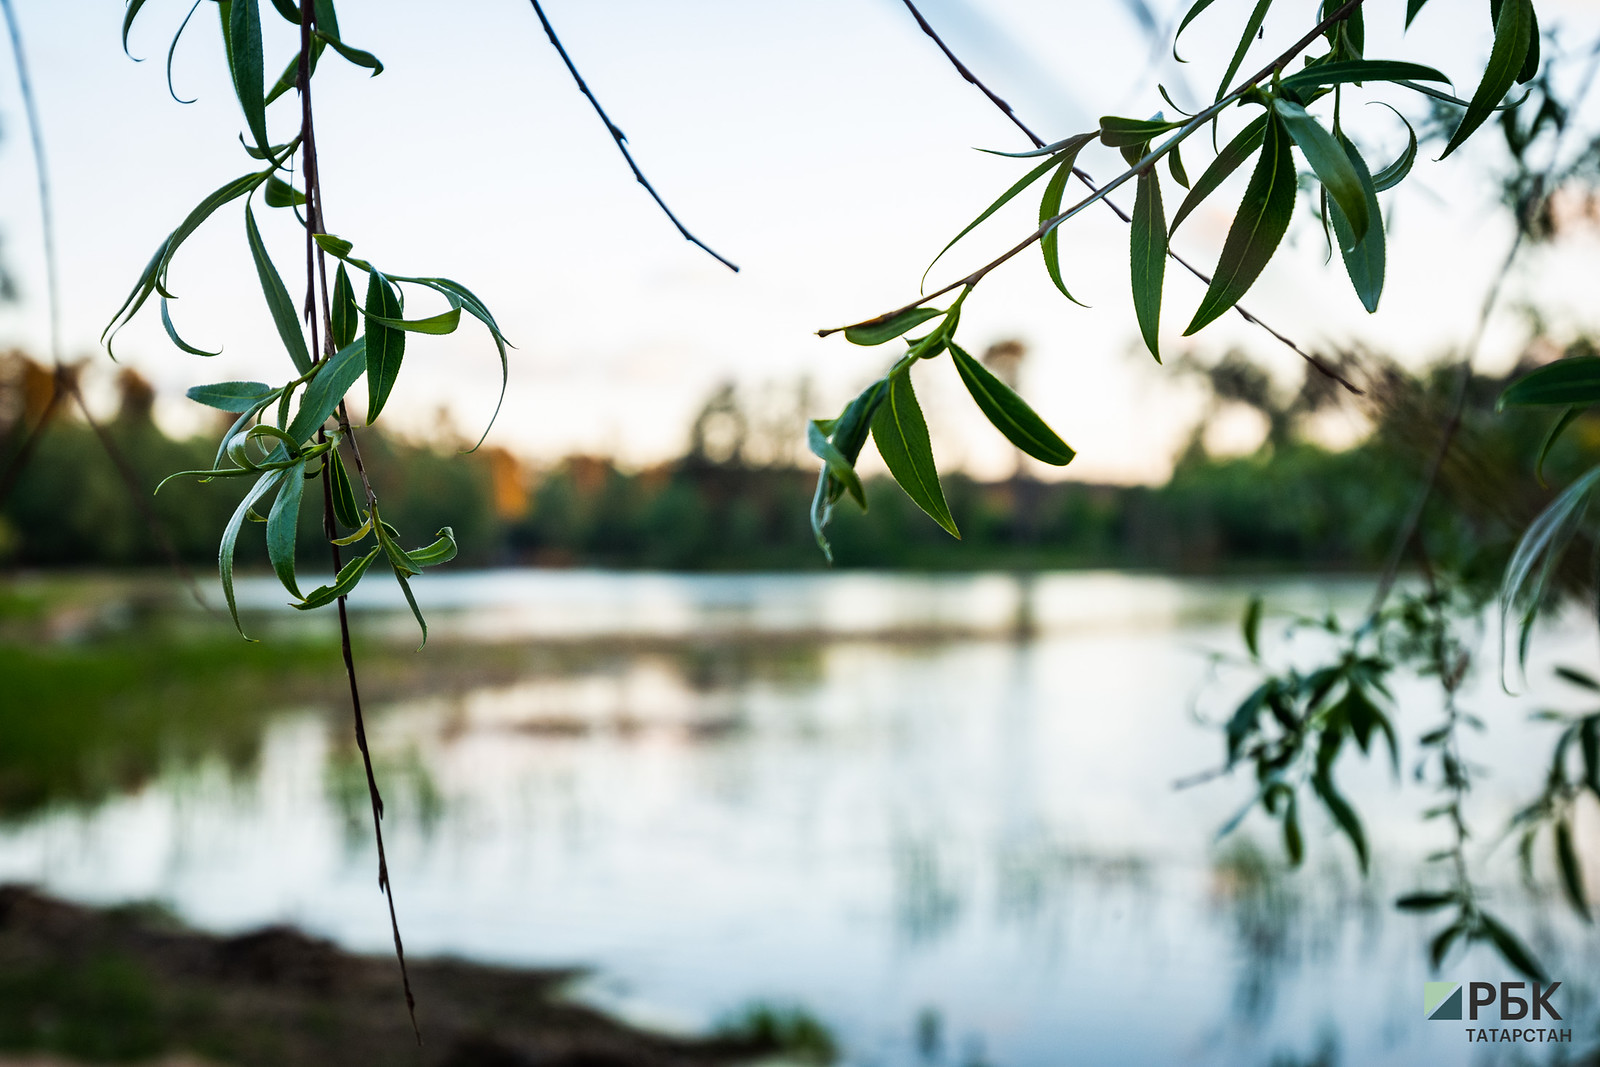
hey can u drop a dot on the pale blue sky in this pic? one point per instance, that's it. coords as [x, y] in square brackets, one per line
[825, 147]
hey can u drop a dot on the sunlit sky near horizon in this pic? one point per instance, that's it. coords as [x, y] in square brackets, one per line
[825, 147]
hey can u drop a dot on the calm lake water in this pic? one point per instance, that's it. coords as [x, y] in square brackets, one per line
[937, 813]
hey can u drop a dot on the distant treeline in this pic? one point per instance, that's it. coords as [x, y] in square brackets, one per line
[1293, 503]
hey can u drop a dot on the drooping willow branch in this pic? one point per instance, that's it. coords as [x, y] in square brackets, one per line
[316, 271]
[1144, 163]
[1083, 176]
[64, 383]
[622, 142]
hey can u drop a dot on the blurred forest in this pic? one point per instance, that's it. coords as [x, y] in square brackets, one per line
[737, 496]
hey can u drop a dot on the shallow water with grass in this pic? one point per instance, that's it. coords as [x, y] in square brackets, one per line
[929, 820]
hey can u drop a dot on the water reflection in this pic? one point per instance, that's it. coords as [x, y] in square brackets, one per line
[954, 844]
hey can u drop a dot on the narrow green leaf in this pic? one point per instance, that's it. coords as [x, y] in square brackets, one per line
[280, 193]
[153, 278]
[1443, 940]
[443, 323]
[346, 580]
[901, 434]
[230, 539]
[399, 558]
[1260, 224]
[349, 539]
[354, 55]
[411, 600]
[478, 310]
[339, 247]
[1589, 739]
[1293, 843]
[1365, 256]
[127, 24]
[1571, 870]
[172, 50]
[326, 19]
[1189, 16]
[1343, 815]
[1005, 198]
[1175, 166]
[441, 551]
[1119, 132]
[233, 396]
[1331, 162]
[1571, 381]
[1512, 35]
[283, 523]
[1233, 154]
[386, 346]
[1009, 413]
[1051, 149]
[888, 327]
[1425, 901]
[836, 464]
[278, 302]
[172, 334]
[244, 62]
[1147, 251]
[1252, 626]
[1347, 71]
[327, 389]
[1582, 679]
[1567, 418]
[1510, 947]
[1412, 8]
[1395, 173]
[345, 508]
[289, 10]
[291, 72]
[344, 312]
[1049, 208]
[1252, 27]
[1542, 543]
[1530, 62]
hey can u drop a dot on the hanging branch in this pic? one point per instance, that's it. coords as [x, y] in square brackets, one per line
[622, 145]
[1083, 176]
[64, 382]
[316, 269]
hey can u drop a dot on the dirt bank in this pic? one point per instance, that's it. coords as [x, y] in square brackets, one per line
[79, 985]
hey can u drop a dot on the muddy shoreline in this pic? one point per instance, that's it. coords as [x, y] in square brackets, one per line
[118, 985]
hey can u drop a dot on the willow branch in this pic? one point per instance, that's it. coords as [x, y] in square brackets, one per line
[622, 142]
[1097, 192]
[313, 225]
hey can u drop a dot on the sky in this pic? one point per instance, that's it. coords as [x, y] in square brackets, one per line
[825, 147]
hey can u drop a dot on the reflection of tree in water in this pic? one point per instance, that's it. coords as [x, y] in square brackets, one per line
[927, 900]
[1269, 922]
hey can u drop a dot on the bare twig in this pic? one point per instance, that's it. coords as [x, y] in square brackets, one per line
[1098, 193]
[1038, 142]
[65, 383]
[314, 225]
[622, 141]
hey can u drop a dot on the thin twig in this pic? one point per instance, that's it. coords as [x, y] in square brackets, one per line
[313, 225]
[621, 139]
[1038, 142]
[1084, 177]
[65, 383]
